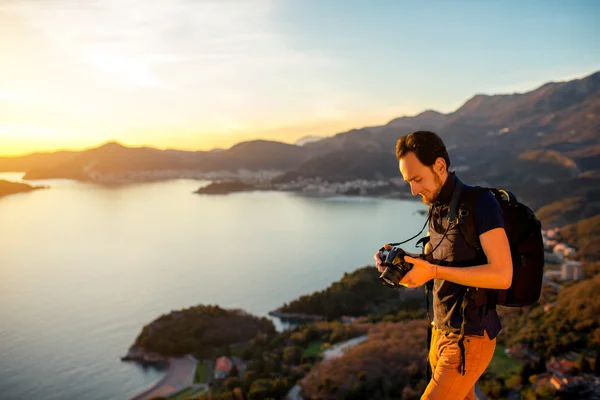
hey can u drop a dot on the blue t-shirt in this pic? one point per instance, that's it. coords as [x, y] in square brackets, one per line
[488, 214]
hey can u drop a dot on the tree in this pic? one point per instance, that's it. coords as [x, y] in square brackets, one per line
[526, 371]
[233, 382]
[292, 355]
[260, 389]
[583, 364]
[234, 372]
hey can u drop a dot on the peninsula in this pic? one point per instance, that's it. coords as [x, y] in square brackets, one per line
[7, 188]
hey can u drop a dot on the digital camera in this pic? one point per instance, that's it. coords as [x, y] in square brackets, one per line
[396, 267]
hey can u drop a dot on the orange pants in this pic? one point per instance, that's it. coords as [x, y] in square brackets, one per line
[444, 356]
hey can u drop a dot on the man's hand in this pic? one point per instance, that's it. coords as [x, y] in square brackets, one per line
[421, 272]
[378, 258]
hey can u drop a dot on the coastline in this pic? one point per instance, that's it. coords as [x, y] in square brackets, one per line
[8, 188]
[287, 317]
[180, 374]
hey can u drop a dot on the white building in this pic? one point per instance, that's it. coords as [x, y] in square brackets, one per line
[572, 271]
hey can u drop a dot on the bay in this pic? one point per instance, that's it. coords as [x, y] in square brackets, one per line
[83, 267]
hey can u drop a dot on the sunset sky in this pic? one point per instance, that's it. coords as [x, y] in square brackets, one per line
[195, 74]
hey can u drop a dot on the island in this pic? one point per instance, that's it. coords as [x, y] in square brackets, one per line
[226, 187]
[8, 188]
[202, 331]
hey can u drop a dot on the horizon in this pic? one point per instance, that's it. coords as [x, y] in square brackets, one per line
[149, 145]
[208, 75]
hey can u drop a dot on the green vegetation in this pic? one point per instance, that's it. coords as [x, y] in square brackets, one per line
[200, 375]
[566, 211]
[358, 293]
[276, 363]
[185, 393]
[225, 187]
[501, 364]
[389, 365]
[537, 195]
[585, 236]
[238, 349]
[571, 324]
[313, 349]
[202, 331]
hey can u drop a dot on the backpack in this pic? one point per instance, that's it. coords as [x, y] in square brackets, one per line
[524, 232]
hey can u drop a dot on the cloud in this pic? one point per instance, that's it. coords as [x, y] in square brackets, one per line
[227, 51]
[208, 67]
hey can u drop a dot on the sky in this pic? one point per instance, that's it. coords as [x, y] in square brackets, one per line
[203, 74]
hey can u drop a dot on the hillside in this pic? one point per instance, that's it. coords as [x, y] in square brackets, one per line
[198, 330]
[254, 155]
[389, 365]
[113, 160]
[7, 188]
[584, 235]
[358, 293]
[549, 134]
[570, 325]
[341, 166]
[505, 138]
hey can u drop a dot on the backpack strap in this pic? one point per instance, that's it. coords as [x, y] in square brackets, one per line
[467, 208]
[453, 213]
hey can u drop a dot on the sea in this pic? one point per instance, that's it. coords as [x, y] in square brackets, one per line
[84, 266]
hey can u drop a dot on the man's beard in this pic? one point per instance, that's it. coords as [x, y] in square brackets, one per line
[436, 193]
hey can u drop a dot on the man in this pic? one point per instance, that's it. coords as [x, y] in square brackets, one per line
[464, 335]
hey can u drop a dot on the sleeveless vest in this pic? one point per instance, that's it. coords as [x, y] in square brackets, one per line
[455, 251]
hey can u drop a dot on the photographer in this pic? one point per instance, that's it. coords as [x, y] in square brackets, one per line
[464, 326]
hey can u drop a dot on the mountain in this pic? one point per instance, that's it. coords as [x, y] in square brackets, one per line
[545, 135]
[109, 159]
[307, 139]
[255, 155]
[113, 160]
[558, 115]
[550, 133]
[340, 166]
[429, 120]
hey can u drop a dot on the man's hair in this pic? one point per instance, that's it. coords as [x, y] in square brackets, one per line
[426, 145]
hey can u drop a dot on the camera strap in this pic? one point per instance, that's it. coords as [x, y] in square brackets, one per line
[422, 229]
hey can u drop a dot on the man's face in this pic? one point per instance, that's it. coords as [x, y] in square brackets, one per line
[423, 180]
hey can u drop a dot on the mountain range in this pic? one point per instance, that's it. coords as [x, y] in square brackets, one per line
[549, 134]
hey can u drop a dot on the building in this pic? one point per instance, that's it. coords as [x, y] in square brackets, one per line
[560, 367]
[553, 274]
[571, 271]
[551, 233]
[222, 367]
[564, 250]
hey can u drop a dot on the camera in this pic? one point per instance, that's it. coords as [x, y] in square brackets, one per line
[396, 267]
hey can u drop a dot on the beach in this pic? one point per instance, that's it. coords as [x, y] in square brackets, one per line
[180, 375]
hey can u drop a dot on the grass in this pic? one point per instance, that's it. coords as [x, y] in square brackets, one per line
[186, 393]
[313, 349]
[501, 364]
[200, 376]
[238, 349]
[183, 393]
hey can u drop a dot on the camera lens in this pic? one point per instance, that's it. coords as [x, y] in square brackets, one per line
[390, 277]
[387, 281]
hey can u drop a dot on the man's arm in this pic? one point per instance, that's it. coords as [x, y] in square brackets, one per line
[496, 274]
